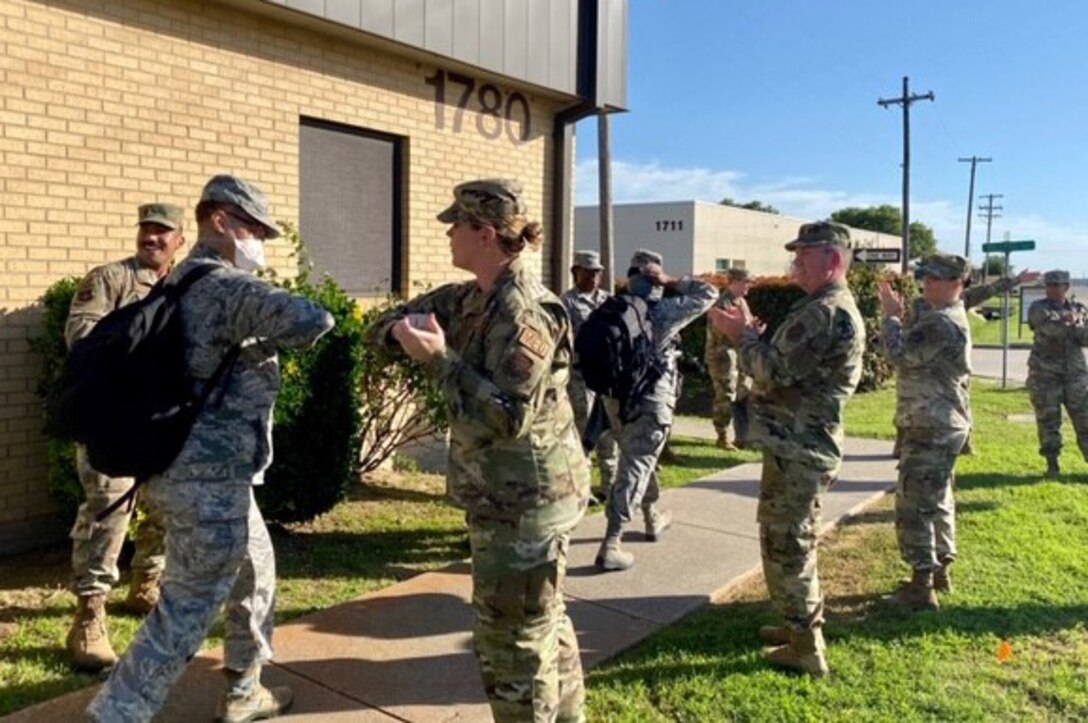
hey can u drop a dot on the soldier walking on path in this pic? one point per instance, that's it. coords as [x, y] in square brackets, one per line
[801, 380]
[501, 347]
[730, 384]
[1057, 373]
[217, 546]
[580, 301]
[642, 434]
[97, 545]
[933, 418]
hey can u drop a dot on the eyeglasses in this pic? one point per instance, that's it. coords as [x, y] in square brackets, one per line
[255, 227]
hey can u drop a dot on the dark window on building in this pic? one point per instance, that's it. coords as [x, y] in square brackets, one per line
[350, 205]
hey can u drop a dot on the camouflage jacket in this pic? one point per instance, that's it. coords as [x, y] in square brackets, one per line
[803, 377]
[579, 306]
[718, 344]
[232, 436]
[513, 444]
[933, 368]
[669, 316]
[105, 289]
[1060, 332]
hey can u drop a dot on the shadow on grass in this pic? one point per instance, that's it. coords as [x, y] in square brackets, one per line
[365, 554]
[975, 481]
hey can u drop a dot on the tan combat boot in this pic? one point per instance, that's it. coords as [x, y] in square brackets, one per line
[258, 704]
[917, 593]
[806, 652]
[610, 558]
[942, 577]
[657, 521]
[1053, 471]
[143, 592]
[88, 640]
[725, 443]
[775, 634]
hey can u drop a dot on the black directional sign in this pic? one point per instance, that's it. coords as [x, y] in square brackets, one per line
[878, 256]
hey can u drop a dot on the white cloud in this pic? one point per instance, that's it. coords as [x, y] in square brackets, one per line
[1059, 245]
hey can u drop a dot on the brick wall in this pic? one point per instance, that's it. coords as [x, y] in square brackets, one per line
[106, 105]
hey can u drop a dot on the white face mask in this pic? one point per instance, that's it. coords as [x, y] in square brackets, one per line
[248, 254]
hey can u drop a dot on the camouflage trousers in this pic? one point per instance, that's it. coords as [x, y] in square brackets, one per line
[97, 545]
[730, 386]
[217, 552]
[789, 523]
[581, 401]
[1048, 394]
[925, 510]
[524, 640]
[640, 441]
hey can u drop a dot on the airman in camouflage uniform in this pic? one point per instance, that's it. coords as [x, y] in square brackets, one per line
[801, 380]
[933, 416]
[217, 546]
[730, 384]
[1057, 373]
[642, 435]
[580, 301]
[97, 545]
[501, 346]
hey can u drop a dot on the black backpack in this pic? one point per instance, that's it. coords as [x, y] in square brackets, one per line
[617, 355]
[123, 391]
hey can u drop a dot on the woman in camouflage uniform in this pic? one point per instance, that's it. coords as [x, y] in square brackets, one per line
[501, 347]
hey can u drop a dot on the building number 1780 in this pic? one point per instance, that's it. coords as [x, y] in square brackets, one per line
[495, 110]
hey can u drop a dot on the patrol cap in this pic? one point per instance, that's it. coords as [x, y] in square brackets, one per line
[820, 233]
[944, 266]
[231, 189]
[1056, 277]
[644, 257]
[588, 260]
[738, 275]
[164, 214]
[493, 201]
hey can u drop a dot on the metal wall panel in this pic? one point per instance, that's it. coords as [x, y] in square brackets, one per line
[537, 40]
[377, 17]
[466, 31]
[347, 12]
[492, 33]
[516, 30]
[438, 26]
[409, 22]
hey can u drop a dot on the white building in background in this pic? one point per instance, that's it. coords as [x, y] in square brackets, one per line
[696, 237]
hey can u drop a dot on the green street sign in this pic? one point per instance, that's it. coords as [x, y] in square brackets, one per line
[1005, 247]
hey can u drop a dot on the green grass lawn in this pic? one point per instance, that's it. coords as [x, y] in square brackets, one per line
[392, 528]
[988, 333]
[1022, 578]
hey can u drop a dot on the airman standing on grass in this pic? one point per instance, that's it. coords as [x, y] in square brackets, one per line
[218, 552]
[1057, 373]
[501, 347]
[97, 545]
[801, 380]
[730, 384]
[933, 417]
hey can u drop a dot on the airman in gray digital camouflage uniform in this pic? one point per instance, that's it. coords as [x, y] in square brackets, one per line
[933, 417]
[642, 436]
[1057, 373]
[729, 383]
[97, 545]
[802, 378]
[501, 347]
[580, 301]
[217, 547]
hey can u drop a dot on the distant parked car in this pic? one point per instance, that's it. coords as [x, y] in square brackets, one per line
[990, 313]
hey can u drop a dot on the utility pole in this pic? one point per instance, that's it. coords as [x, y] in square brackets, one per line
[989, 212]
[974, 160]
[604, 179]
[905, 100]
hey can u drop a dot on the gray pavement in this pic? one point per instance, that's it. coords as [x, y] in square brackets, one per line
[404, 652]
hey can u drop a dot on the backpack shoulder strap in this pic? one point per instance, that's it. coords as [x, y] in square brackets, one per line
[191, 277]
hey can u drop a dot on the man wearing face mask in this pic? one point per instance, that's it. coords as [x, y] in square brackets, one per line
[217, 547]
[642, 436]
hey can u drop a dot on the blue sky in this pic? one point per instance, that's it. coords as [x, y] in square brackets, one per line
[777, 101]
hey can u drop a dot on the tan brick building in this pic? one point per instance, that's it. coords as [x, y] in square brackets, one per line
[356, 117]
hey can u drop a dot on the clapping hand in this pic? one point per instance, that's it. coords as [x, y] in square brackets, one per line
[420, 336]
[891, 303]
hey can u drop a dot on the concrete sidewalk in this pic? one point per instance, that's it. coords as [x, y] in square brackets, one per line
[404, 652]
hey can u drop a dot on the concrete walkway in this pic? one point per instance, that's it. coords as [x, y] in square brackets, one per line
[404, 652]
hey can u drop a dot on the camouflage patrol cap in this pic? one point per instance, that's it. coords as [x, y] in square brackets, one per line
[231, 189]
[492, 201]
[644, 257]
[588, 260]
[164, 214]
[738, 275]
[944, 266]
[820, 233]
[1056, 277]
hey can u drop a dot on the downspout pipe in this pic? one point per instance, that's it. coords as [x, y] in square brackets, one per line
[562, 232]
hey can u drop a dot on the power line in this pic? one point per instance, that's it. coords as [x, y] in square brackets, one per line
[905, 101]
